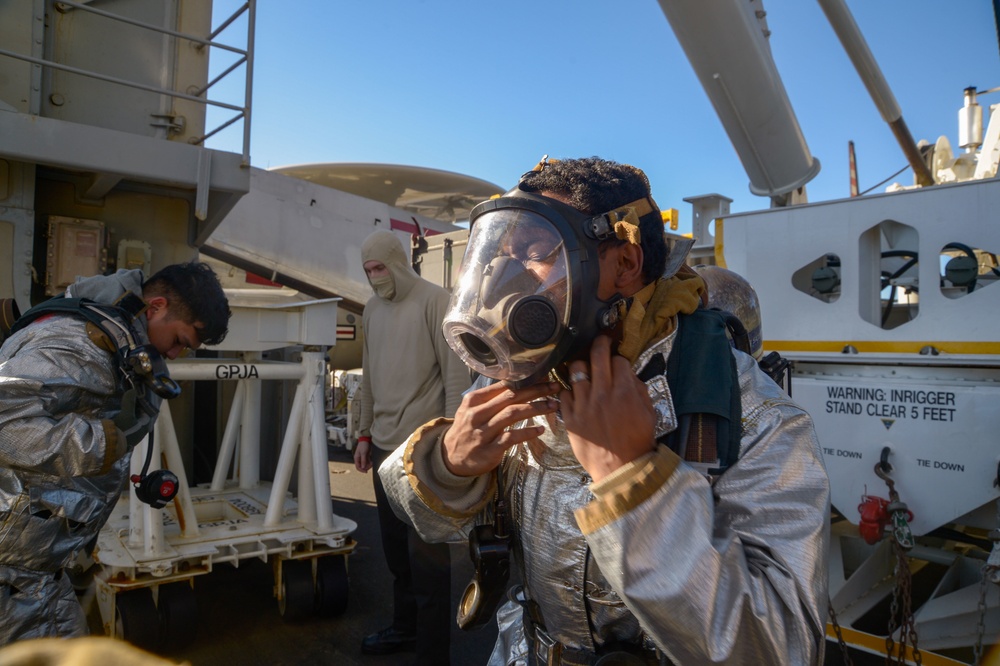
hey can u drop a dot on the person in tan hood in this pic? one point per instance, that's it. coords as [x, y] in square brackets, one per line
[410, 375]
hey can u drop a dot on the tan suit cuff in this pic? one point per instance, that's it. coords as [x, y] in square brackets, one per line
[620, 477]
[627, 488]
[446, 493]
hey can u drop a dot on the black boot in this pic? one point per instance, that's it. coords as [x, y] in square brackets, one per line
[388, 641]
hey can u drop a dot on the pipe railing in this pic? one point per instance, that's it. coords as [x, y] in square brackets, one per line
[246, 58]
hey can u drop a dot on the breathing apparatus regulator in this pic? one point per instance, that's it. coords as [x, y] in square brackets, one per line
[526, 300]
[143, 371]
[489, 549]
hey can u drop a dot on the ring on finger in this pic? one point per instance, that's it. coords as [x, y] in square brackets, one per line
[578, 376]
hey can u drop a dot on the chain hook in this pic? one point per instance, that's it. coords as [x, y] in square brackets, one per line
[883, 467]
[899, 513]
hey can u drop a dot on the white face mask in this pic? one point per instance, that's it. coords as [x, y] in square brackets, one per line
[385, 287]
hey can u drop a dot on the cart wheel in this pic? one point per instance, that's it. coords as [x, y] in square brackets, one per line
[331, 585]
[298, 595]
[178, 615]
[136, 619]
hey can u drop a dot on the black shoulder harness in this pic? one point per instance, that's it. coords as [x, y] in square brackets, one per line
[137, 360]
[124, 311]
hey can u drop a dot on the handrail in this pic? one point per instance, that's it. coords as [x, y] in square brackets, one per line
[225, 24]
[115, 79]
[249, 7]
[203, 90]
[150, 26]
[248, 87]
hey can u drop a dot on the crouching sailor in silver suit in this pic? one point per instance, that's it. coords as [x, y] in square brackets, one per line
[664, 500]
[72, 408]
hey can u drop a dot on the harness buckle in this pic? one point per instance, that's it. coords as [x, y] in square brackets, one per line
[548, 650]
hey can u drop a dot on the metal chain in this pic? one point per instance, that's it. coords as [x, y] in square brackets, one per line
[977, 649]
[900, 615]
[909, 623]
[840, 637]
[902, 541]
[901, 612]
[893, 614]
[990, 573]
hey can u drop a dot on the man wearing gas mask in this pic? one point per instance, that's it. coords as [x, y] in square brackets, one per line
[410, 375]
[82, 379]
[664, 500]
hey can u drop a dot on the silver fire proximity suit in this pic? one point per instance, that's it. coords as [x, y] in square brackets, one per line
[696, 572]
[63, 462]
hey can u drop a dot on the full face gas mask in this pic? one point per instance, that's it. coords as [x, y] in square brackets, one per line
[526, 300]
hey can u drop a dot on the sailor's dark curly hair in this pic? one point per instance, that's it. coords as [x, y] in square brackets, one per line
[195, 296]
[593, 186]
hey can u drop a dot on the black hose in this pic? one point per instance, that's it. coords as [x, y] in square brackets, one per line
[970, 253]
[886, 281]
[962, 246]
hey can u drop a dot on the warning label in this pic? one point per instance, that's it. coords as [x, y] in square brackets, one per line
[939, 426]
[911, 404]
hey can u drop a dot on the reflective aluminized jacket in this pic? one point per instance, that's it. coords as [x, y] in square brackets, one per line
[727, 573]
[62, 461]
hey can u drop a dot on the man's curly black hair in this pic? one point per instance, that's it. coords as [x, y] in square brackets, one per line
[195, 296]
[593, 186]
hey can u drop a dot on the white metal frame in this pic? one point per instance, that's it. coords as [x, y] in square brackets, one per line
[238, 516]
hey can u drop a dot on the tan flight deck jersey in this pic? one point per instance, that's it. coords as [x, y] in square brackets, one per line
[411, 375]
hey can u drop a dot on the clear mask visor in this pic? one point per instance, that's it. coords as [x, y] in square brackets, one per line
[511, 304]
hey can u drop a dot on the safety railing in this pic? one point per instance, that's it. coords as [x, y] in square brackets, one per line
[245, 57]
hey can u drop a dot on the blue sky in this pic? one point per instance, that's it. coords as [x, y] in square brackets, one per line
[487, 88]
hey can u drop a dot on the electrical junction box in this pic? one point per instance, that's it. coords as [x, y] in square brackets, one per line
[76, 248]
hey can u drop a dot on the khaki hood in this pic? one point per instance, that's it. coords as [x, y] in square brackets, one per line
[386, 247]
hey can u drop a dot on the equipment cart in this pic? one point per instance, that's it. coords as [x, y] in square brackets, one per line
[148, 559]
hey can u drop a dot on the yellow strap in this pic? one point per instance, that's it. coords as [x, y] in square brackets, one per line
[625, 219]
[542, 163]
